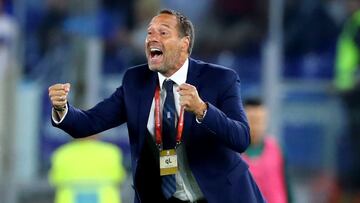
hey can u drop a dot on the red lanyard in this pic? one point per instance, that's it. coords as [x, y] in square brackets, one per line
[158, 133]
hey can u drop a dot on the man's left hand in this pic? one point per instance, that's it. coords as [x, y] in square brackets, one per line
[191, 101]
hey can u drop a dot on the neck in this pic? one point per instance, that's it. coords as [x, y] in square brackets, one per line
[177, 66]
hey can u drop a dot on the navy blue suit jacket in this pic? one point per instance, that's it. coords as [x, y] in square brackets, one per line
[213, 146]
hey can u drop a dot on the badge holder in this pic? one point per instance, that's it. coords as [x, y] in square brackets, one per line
[168, 162]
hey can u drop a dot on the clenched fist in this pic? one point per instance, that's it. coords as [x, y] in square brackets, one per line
[58, 95]
[191, 101]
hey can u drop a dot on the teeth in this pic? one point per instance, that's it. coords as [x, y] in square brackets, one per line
[154, 49]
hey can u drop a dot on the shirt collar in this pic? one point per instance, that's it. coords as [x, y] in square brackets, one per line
[179, 77]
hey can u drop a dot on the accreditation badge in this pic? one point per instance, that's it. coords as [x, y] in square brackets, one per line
[168, 162]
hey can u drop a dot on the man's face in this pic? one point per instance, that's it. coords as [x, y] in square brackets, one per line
[257, 116]
[163, 45]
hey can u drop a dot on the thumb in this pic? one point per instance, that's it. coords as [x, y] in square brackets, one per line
[67, 87]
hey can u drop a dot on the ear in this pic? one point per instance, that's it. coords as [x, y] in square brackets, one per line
[185, 43]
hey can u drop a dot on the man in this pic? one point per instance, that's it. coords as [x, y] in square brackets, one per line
[187, 157]
[264, 155]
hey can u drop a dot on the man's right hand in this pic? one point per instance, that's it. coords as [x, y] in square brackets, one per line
[58, 96]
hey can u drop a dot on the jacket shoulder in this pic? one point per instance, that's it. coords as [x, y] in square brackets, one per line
[138, 69]
[213, 68]
[214, 72]
[137, 73]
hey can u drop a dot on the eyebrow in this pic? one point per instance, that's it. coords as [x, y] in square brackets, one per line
[165, 25]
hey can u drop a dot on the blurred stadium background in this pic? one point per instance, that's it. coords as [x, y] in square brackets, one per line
[283, 50]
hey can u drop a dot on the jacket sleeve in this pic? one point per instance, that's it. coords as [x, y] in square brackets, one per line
[227, 121]
[105, 115]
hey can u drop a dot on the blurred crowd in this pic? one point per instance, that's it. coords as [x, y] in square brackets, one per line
[238, 27]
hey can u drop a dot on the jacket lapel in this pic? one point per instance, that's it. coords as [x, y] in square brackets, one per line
[144, 104]
[192, 79]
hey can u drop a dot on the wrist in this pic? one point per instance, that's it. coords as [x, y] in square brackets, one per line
[59, 109]
[202, 111]
[59, 115]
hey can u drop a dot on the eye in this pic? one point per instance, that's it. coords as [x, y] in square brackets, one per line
[163, 33]
[149, 32]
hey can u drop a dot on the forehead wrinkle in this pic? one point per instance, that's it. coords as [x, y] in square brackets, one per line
[166, 19]
[166, 25]
[163, 24]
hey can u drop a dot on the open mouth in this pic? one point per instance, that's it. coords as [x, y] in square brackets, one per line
[155, 53]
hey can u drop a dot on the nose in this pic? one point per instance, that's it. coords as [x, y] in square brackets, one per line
[152, 38]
